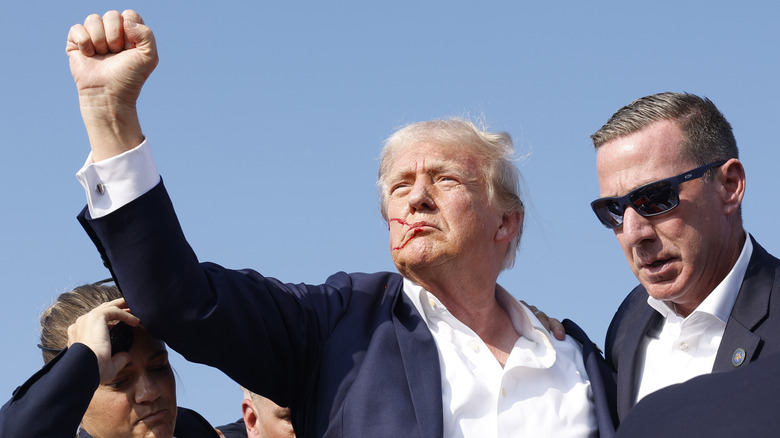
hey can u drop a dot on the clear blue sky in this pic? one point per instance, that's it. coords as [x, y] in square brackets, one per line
[261, 113]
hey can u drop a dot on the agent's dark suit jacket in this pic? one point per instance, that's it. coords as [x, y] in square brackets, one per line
[754, 325]
[743, 403]
[351, 357]
[52, 402]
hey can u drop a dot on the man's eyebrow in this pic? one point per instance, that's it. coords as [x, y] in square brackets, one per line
[431, 166]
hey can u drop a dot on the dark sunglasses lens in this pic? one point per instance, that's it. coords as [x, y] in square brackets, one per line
[609, 212]
[654, 199]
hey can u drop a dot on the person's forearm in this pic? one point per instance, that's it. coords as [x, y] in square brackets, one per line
[53, 401]
[112, 125]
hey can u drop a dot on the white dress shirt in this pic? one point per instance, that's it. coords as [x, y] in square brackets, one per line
[542, 391]
[686, 347]
[114, 182]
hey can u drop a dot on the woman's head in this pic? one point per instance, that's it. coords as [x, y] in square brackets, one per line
[66, 309]
[140, 400]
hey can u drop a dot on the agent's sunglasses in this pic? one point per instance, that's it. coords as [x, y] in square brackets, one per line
[651, 199]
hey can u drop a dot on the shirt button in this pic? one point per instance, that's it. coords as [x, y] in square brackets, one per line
[100, 188]
[474, 346]
[684, 346]
[432, 303]
[503, 392]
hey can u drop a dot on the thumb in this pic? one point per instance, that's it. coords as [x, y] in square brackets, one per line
[115, 364]
[139, 36]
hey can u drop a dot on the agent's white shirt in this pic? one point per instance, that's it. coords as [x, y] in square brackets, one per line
[543, 390]
[686, 347]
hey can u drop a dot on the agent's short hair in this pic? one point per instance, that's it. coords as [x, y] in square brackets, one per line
[707, 135]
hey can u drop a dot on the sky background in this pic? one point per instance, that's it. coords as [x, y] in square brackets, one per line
[266, 120]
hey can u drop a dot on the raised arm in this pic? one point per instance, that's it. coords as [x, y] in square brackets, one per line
[110, 59]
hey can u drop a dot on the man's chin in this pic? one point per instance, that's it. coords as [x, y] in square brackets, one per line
[663, 292]
[159, 430]
[411, 263]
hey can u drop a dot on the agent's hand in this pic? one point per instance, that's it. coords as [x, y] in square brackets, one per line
[551, 324]
[91, 330]
[111, 57]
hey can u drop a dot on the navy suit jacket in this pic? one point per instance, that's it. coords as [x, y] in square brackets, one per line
[350, 357]
[754, 325]
[742, 403]
[52, 402]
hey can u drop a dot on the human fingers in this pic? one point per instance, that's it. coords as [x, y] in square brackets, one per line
[552, 325]
[94, 25]
[79, 40]
[556, 327]
[142, 39]
[92, 328]
[114, 30]
[131, 18]
[113, 366]
[117, 310]
[129, 14]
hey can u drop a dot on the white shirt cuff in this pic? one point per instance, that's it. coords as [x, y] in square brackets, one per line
[116, 181]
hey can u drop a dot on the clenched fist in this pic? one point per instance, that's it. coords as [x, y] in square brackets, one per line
[111, 57]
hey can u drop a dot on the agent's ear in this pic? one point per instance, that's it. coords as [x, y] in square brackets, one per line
[250, 417]
[511, 224]
[732, 185]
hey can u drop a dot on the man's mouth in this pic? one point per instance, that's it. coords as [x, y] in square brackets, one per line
[657, 266]
[414, 229]
[414, 225]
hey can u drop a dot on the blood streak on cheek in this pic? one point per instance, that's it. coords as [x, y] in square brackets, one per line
[416, 229]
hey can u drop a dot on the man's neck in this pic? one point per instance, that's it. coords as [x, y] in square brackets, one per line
[475, 305]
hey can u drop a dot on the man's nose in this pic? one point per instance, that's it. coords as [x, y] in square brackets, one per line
[420, 198]
[636, 228]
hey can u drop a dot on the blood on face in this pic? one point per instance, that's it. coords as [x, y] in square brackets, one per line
[415, 228]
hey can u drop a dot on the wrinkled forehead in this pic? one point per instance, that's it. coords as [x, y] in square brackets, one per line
[433, 156]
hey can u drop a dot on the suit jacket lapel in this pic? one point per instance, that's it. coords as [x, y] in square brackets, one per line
[628, 374]
[421, 362]
[750, 309]
[602, 379]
